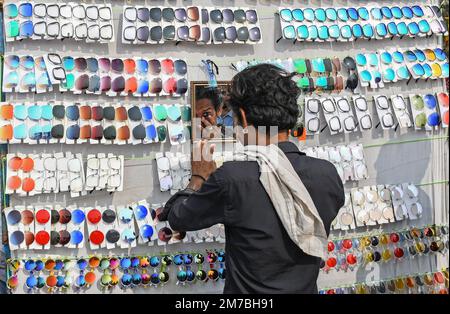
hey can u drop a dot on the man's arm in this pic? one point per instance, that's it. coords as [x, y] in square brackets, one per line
[190, 210]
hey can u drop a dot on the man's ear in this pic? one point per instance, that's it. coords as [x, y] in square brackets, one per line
[243, 118]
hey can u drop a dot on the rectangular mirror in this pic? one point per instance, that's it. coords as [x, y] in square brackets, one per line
[212, 116]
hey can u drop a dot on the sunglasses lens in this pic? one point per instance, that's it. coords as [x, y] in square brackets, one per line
[57, 131]
[407, 12]
[288, 32]
[389, 74]
[110, 133]
[26, 29]
[346, 31]
[418, 70]
[368, 30]
[92, 64]
[440, 54]
[403, 72]
[143, 14]
[73, 132]
[356, 30]
[320, 15]
[151, 132]
[73, 113]
[181, 86]
[313, 32]
[162, 133]
[285, 14]
[169, 32]
[117, 65]
[17, 237]
[118, 84]
[381, 29]
[433, 119]
[255, 34]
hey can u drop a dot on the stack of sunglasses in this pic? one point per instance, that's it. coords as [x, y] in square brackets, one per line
[50, 226]
[429, 111]
[349, 160]
[318, 74]
[378, 204]
[174, 171]
[94, 75]
[337, 111]
[80, 274]
[44, 122]
[347, 24]
[104, 172]
[425, 110]
[428, 283]
[42, 227]
[394, 65]
[157, 25]
[349, 253]
[30, 20]
[44, 173]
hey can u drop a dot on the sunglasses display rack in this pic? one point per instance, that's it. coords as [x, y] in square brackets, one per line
[349, 160]
[66, 275]
[428, 283]
[316, 74]
[397, 246]
[156, 25]
[50, 21]
[368, 22]
[378, 204]
[376, 69]
[429, 112]
[96, 75]
[75, 123]
[33, 174]
[174, 171]
[369, 46]
[43, 227]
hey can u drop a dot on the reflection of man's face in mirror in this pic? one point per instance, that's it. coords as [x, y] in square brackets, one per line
[206, 111]
[207, 105]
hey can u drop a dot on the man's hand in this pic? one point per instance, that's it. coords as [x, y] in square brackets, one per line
[209, 130]
[202, 163]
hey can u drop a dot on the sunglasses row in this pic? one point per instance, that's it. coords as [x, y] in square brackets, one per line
[319, 74]
[109, 272]
[348, 24]
[157, 25]
[375, 69]
[349, 160]
[58, 172]
[378, 204]
[29, 20]
[427, 112]
[303, 66]
[429, 283]
[347, 254]
[47, 227]
[174, 171]
[36, 123]
[95, 75]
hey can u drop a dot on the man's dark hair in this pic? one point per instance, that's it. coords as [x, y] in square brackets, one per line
[267, 94]
[210, 93]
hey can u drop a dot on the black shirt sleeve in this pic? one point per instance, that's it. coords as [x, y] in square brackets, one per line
[197, 210]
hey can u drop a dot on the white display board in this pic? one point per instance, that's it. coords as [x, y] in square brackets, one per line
[404, 157]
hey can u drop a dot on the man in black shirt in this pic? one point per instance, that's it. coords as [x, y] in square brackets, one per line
[261, 256]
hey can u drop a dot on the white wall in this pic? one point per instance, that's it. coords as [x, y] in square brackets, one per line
[418, 162]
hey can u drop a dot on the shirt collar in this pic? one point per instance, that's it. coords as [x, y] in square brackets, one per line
[289, 147]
